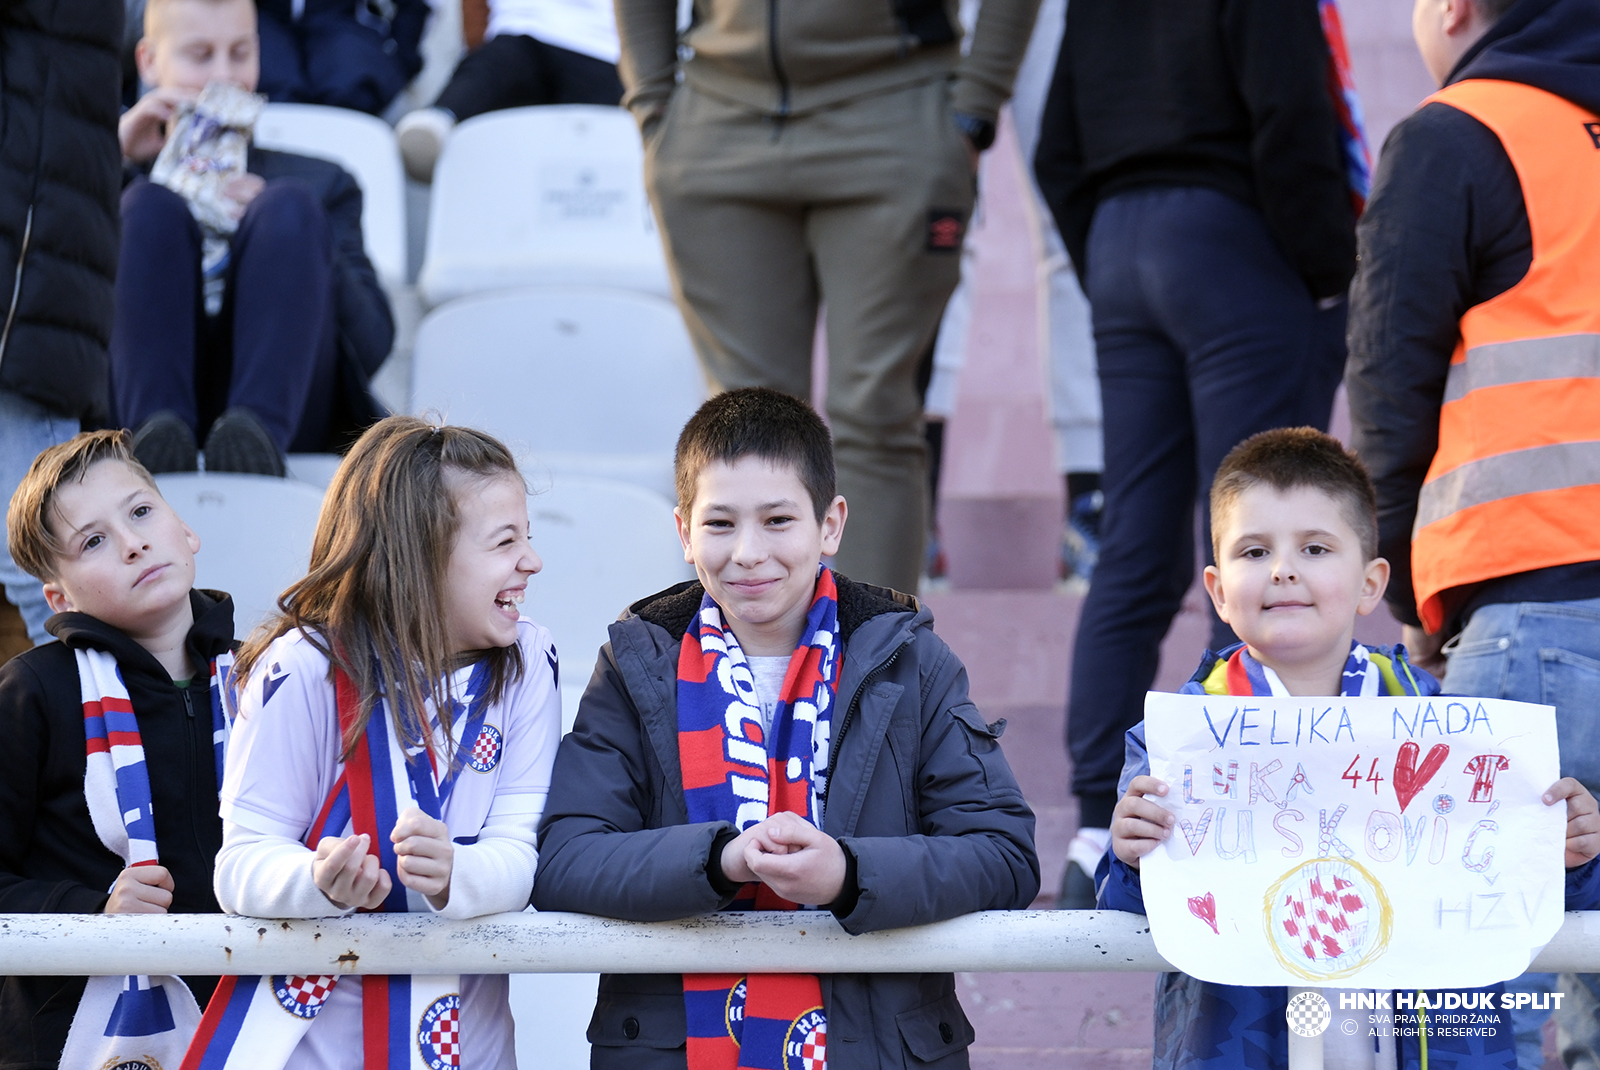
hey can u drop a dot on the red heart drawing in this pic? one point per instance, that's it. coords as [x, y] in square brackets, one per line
[1408, 778]
[1204, 907]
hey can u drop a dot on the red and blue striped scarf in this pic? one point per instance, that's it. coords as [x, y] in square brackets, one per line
[119, 1017]
[735, 772]
[1366, 673]
[409, 1022]
[1346, 107]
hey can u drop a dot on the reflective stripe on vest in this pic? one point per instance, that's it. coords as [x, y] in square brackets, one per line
[1515, 483]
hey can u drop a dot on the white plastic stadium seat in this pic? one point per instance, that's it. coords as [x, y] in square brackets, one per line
[363, 145]
[316, 469]
[541, 196]
[584, 381]
[255, 535]
[552, 1012]
[604, 545]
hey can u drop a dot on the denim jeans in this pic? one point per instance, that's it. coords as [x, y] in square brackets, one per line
[26, 428]
[1547, 652]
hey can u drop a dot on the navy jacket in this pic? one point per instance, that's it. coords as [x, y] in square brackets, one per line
[921, 799]
[1446, 228]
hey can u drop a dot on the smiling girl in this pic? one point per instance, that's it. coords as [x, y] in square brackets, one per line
[397, 726]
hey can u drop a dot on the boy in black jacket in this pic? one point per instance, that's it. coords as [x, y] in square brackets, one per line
[118, 568]
[775, 734]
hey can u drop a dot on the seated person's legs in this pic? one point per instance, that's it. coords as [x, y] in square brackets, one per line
[153, 337]
[507, 71]
[280, 300]
[581, 79]
[347, 67]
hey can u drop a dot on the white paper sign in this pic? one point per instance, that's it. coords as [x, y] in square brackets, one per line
[1363, 842]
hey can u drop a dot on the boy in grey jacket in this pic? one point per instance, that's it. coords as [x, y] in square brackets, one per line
[770, 736]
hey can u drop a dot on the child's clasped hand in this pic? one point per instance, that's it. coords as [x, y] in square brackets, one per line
[791, 856]
[1583, 820]
[349, 874]
[141, 890]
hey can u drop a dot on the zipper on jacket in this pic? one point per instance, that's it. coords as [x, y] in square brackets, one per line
[777, 67]
[850, 713]
[16, 282]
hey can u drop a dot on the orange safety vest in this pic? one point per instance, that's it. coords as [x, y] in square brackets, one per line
[1515, 484]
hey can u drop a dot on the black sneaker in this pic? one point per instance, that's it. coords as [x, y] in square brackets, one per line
[164, 443]
[238, 442]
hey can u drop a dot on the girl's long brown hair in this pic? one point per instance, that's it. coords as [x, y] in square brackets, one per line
[374, 596]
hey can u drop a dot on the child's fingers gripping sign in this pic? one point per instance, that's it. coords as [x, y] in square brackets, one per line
[141, 890]
[424, 855]
[1583, 820]
[348, 873]
[1138, 825]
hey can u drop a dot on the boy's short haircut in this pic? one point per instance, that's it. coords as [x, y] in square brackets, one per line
[1291, 457]
[757, 422]
[154, 9]
[34, 547]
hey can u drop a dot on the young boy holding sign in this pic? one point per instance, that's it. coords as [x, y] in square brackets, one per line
[1294, 525]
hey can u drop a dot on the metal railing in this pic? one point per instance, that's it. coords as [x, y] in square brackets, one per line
[1070, 941]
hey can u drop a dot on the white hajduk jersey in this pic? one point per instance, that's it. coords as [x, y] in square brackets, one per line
[586, 26]
[283, 762]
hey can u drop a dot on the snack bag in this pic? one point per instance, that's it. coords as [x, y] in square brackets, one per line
[208, 146]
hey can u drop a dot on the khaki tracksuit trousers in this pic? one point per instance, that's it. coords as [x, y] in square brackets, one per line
[860, 207]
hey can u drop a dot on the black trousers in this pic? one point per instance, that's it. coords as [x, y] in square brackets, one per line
[514, 71]
[1204, 336]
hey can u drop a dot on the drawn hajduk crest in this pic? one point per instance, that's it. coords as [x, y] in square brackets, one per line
[142, 1062]
[1327, 918]
[302, 997]
[485, 753]
[806, 1047]
[439, 1033]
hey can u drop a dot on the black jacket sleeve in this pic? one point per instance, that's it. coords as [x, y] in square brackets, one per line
[1446, 229]
[1280, 61]
[24, 720]
[1059, 167]
[366, 323]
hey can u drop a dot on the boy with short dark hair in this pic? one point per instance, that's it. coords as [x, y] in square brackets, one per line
[118, 568]
[775, 734]
[1294, 527]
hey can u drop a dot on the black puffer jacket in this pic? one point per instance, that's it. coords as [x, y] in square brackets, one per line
[921, 798]
[60, 177]
[51, 860]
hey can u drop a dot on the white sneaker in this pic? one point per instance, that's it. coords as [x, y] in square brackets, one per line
[422, 135]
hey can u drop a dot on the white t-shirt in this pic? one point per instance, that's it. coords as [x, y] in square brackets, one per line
[283, 759]
[586, 26]
[769, 673]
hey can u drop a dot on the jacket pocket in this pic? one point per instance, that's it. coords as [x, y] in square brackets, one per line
[983, 743]
[639, 1020]
[935, 1030]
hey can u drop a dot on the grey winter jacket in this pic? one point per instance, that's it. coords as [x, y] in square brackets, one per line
[921, 797]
